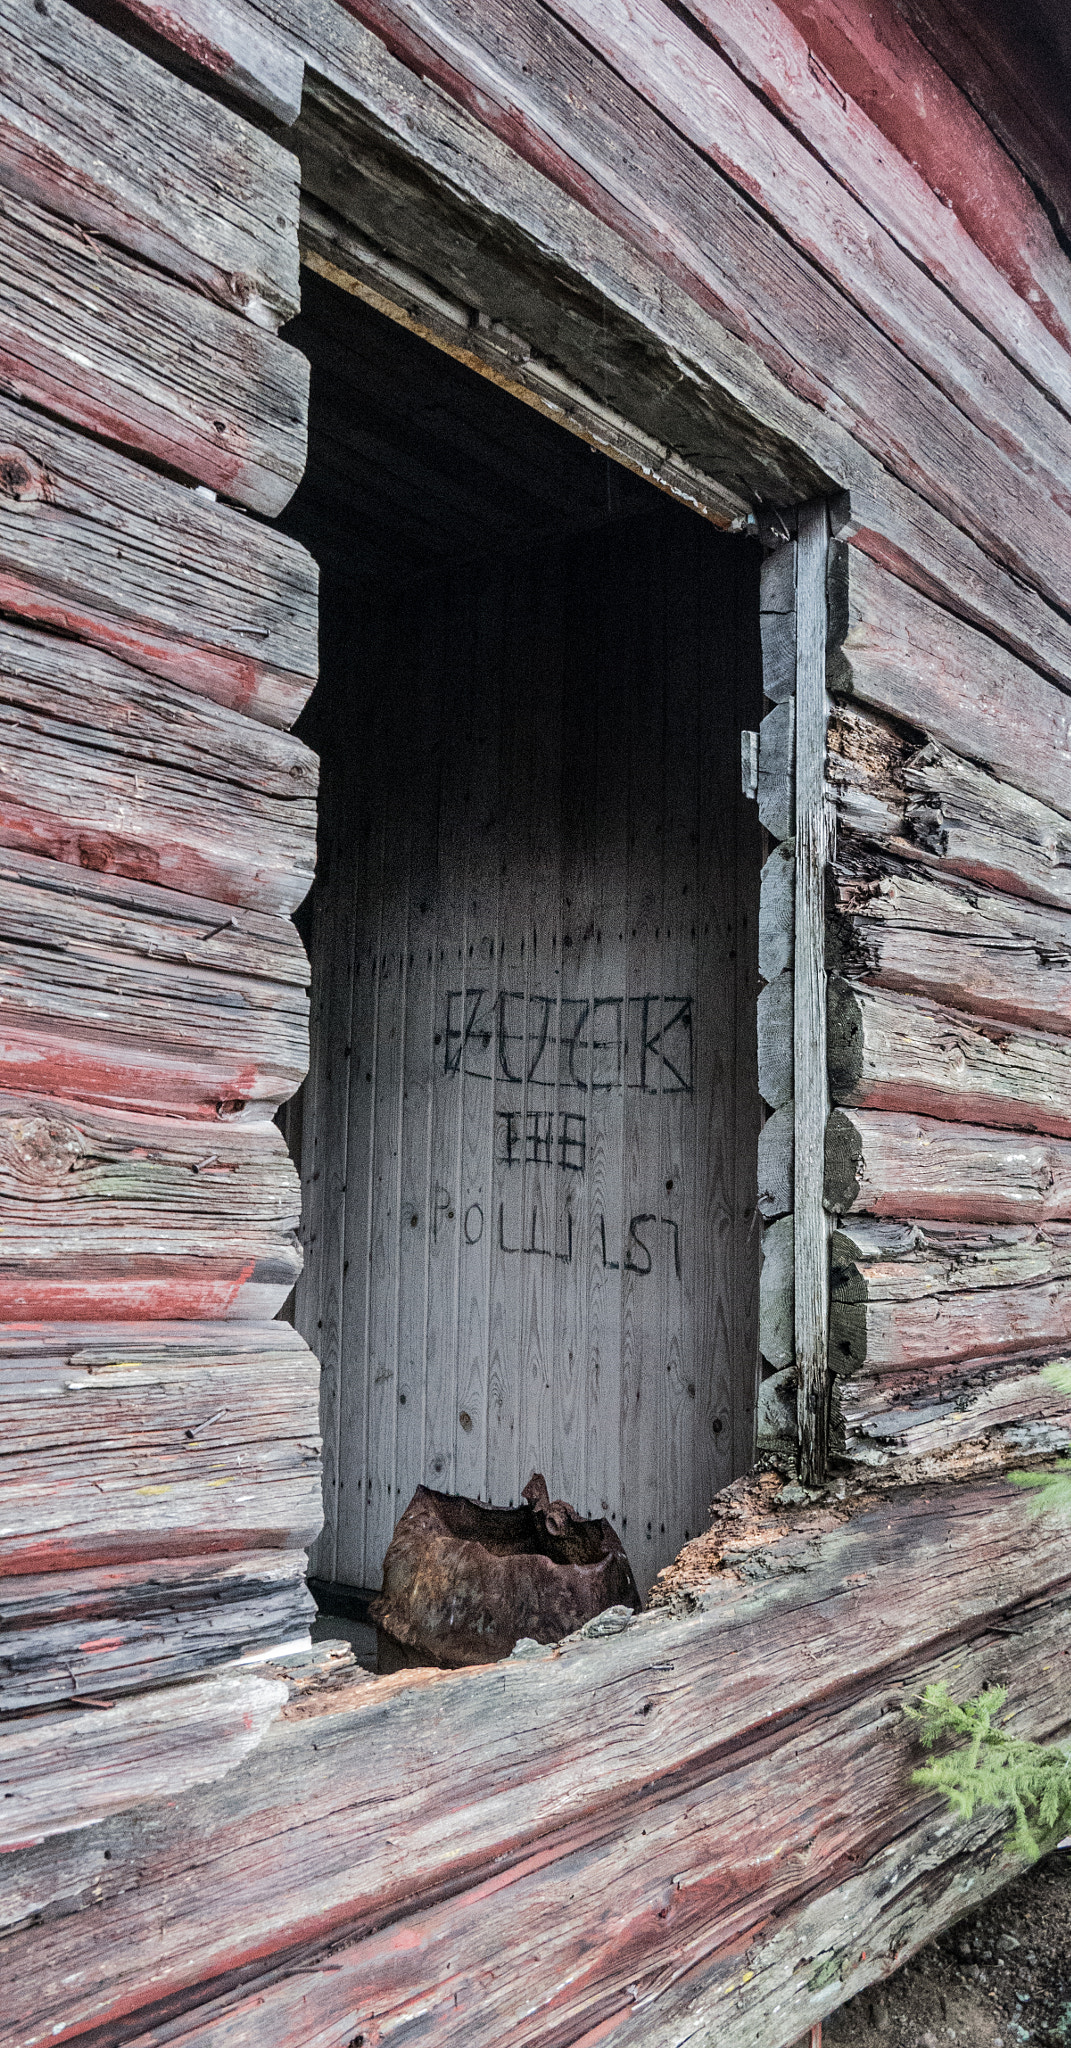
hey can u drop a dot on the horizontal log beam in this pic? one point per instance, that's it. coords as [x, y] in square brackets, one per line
[901, 1052]
[932, 1421]
[108, 769]
[979, 950]
[536, 84]
[926, 803]
[224, 39]
[904, 1293]
[511, 214]
[738, 1710]
[59, 1770]
[113, 1629]
[893, 648]
[916, 1166]
[117, 993]
[112, 347]
[131, 1442]
[87, 121]
[994, 257]
[102, 549]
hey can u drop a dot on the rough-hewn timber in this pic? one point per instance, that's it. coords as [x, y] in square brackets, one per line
[111, 346]
[120, 993]
[569, 1896]
[904, 1293]
[159, 1440]
[902, 1052]
[95, 546]
[118, 772]
[87, 123]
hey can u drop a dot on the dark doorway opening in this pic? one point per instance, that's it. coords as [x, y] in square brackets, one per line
[528, 1137]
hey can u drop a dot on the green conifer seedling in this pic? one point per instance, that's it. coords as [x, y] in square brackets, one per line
[990, 1768]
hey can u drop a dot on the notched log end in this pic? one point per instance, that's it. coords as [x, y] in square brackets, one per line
[844, 1154]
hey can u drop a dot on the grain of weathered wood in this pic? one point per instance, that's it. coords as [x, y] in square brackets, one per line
[707, 100]
[929, 804]
[224, 39]
[895, 649]
[111, 1629]
[934, 1420]
[994, 258]
[777, 764]
[540, 89]
[158, 1440]
[104, 1213]
[440, 155]
[902, 1293]
[890, 1165]
[868, 68]
[777, 1294]
[369, 1832]
[776, 1067]
[109, 345]
[901, 1052]
[530, 1965]
[87, 121]
[120, 993]
[775, 1162]
[954, 941]
[70, 1769]
[104, 550]
[108, 769]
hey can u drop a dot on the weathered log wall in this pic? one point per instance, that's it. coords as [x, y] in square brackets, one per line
[159, 1442]
[739, 218]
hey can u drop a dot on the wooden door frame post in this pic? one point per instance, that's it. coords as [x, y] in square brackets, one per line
[811, 1092]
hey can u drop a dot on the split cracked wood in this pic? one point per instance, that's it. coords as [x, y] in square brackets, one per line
[915, 1166]
[104, 550]
[951, 940]
[118, 1628]
[901, 1052]
[931, 1420]
[108, 1214]
[110, 346]
[86, 122]
[917, 661]
[227, 42]
[114, 992]
[159, 1440]
[108, 769]
[344, 1783]
[904, 1293]
[928, 804]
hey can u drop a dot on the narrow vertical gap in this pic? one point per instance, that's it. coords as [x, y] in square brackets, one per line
[811, 1225]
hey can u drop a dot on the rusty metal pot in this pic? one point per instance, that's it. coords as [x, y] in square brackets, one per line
[463, 1582]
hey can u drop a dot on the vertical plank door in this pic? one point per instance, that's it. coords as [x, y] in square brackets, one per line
[550, 1140]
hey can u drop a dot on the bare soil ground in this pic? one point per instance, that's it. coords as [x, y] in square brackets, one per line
[998, 1978]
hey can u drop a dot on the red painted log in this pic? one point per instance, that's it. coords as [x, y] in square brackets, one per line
[907, 1294]
[113, 992]
[110, 770]
[128, 1442]
[867, 48]
[101, 549]
[87, 122]
[644, 1847]
[110, 346]
[882, 1165]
